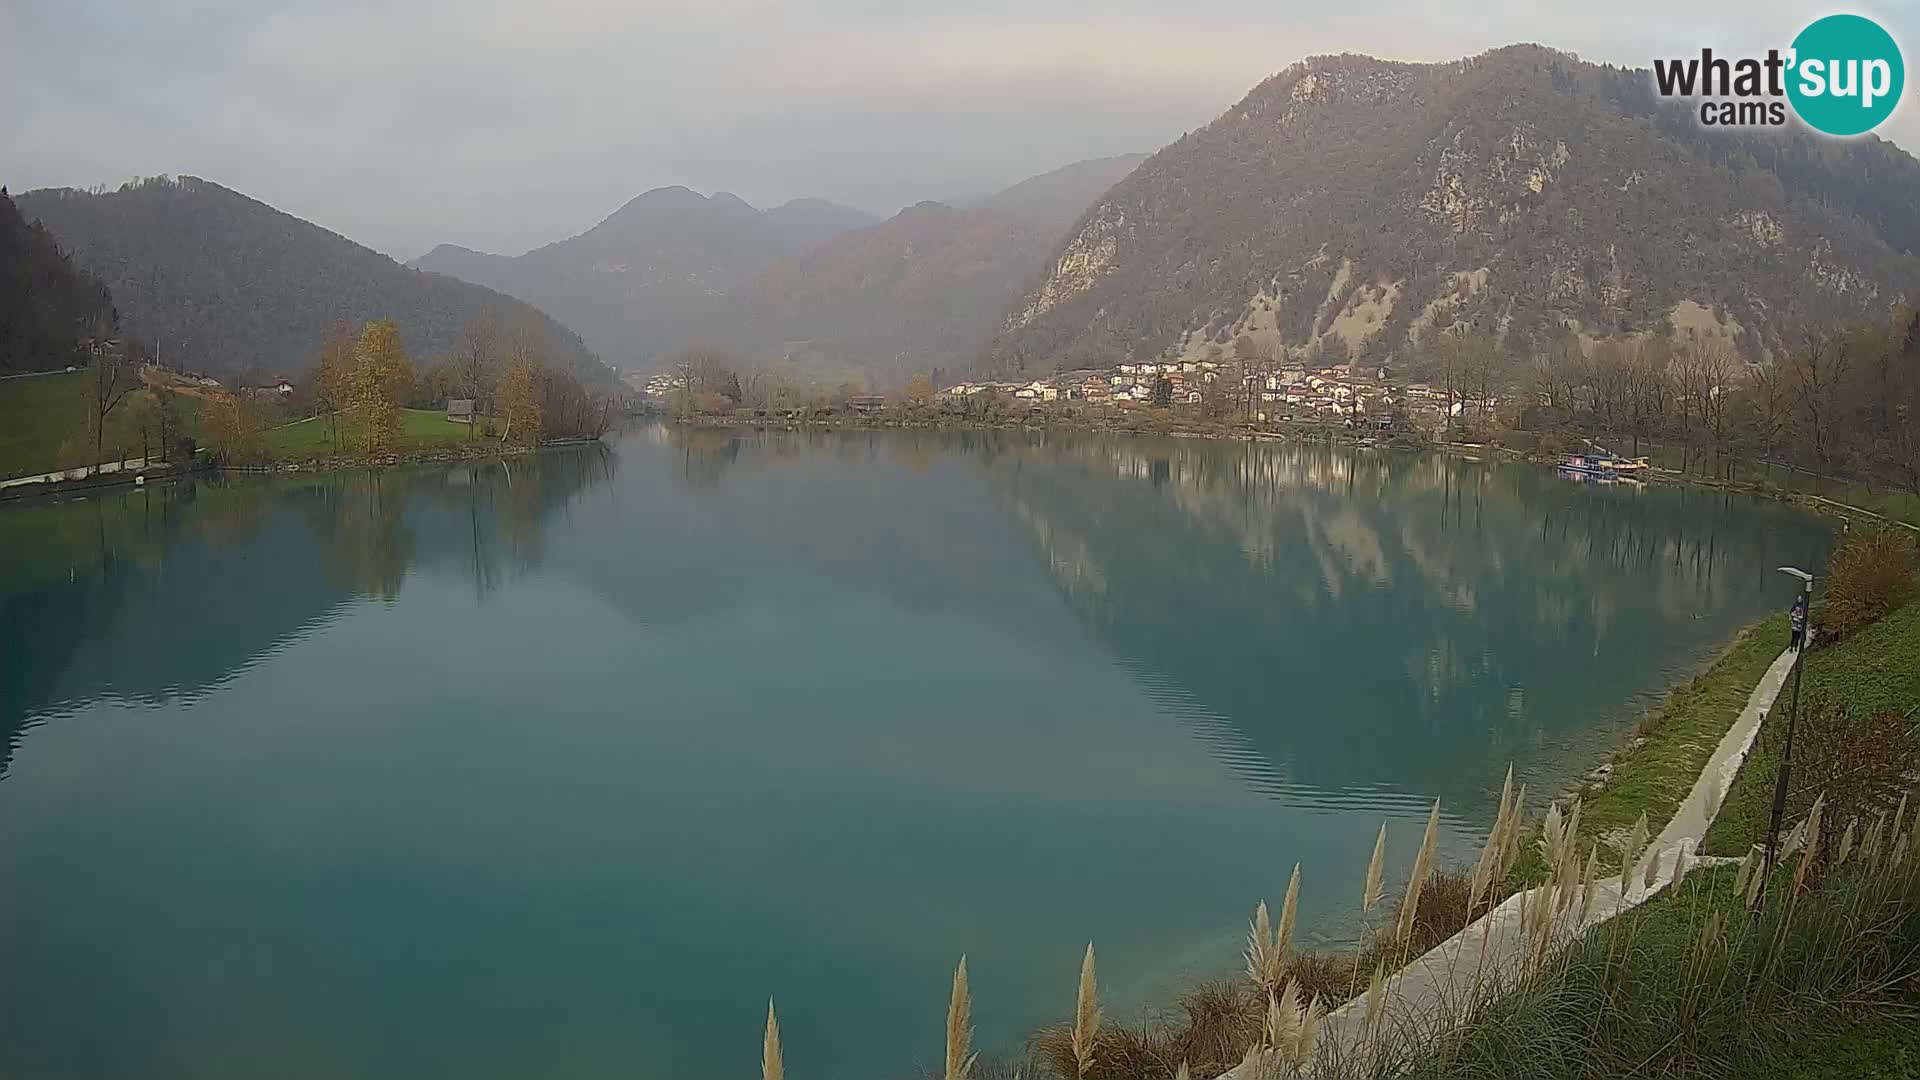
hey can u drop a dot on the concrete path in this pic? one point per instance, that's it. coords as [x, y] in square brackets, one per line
[1688, 829]
[1427, 997]
[78, 473]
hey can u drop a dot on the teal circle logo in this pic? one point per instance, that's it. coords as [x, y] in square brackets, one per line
[1847, 75]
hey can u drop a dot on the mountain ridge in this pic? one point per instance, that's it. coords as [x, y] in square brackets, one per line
[633, 276]
[1349, 207]
[235, 287]
[848, 295]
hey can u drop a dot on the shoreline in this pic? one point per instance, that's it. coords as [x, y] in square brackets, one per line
[1655, 768]
[341, 462]
[323, 463]
[1422, 992]
[1317, 433]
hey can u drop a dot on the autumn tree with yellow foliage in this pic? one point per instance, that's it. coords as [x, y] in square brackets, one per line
[374, 386]
[920, 390]
[333, 375]
[232, 431]
[518, 399]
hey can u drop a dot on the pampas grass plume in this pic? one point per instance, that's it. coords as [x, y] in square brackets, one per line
[1422, 863]
[1283, 934]
[960, 1057]
[1086, 1014]
[1375, 887]
[771, 1067]
[1259, 946]
[1630, 853]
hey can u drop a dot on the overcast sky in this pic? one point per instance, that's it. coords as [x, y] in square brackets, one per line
[503, 125]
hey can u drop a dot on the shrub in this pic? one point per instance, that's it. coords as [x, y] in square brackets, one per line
[1442, 911]
[1859, 759]
[232, 432]
[1868, 575]
[1210, 1031]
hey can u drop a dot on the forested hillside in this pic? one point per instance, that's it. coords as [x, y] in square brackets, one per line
[214, 281]
[921, 291]
[1349, 206]
[47, 305]
[638, 284]
[814, 290]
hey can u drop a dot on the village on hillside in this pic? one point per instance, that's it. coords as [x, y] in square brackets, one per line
[1334, 393]
[1342, 393]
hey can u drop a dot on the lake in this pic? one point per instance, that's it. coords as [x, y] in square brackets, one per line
[563, 765]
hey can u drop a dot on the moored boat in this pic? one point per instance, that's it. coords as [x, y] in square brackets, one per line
[1595, 465]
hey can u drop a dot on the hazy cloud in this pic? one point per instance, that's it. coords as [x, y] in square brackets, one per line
[403, 123]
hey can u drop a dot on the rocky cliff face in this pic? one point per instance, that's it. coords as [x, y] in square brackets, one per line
[1350, 207]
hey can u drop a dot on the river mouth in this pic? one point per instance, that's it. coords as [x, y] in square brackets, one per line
[564, 764]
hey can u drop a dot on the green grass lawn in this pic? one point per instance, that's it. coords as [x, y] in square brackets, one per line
[37, 414]
[1897, 505]
[43, 424]
[1878, 1044]
[1877, 668]
[419, 429]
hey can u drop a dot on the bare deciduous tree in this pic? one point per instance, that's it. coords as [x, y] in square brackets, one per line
[1818, 370]
[110, 378]
[476, 368]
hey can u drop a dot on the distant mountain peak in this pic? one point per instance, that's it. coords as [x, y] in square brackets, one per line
[456, 249]
[814, 202]
[673, 268]
[1055, 198]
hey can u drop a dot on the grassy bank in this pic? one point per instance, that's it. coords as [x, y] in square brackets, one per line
[1814, 976]
[43, 424]
[1654, 773]
[1892, 505]
[420, 429]
[1874, 1044]
[1820, 983]
[1878, 668]
[1654, 776]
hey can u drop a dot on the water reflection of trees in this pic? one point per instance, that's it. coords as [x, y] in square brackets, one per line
[1360, 618]
[1378, 617]
[162, 592]
[362, 531]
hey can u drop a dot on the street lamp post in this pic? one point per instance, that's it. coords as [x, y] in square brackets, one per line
[1793, 716]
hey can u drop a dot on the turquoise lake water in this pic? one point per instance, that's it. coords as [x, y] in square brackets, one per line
[563, 766]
